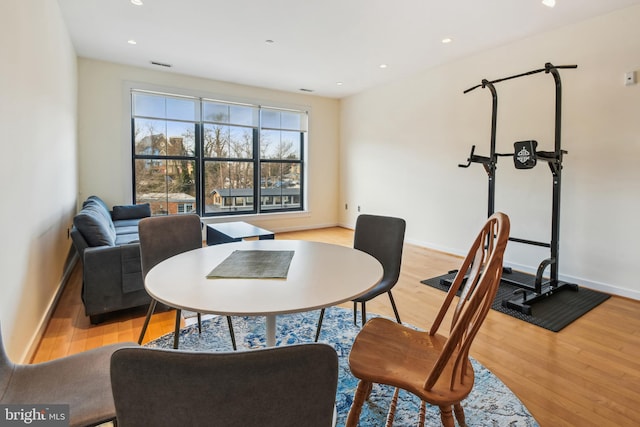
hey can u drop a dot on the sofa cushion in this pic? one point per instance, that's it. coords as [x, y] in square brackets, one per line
[96, 199]
[123, 223]
[131, 211]
[123, 239]
[94, 228]
[96, 204]
[130, 229]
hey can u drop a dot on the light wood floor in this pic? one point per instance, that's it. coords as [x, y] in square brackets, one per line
[588, 374]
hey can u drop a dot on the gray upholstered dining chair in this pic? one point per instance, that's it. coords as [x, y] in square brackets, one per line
[381, 237]
[162, 237]
[292, 385]
[81, 381]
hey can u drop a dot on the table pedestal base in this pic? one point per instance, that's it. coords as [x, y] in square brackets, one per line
[271, 330]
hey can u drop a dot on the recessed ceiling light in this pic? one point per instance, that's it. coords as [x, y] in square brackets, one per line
[137, 2]
[132, 42]
[549, 3]
[447, 40]
[383, 65]
[339, 83]
[269, 41]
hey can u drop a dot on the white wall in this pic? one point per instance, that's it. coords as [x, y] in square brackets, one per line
[104, 141]
[39, 169]
[401, 143]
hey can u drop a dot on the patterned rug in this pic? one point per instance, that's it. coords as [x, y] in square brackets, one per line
[490, 403]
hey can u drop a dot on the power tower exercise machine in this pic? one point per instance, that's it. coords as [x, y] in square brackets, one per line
[531, 289]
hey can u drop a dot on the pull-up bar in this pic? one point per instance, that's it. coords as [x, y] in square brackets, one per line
[547, 68]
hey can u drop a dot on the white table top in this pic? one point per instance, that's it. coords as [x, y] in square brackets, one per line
[320, 275]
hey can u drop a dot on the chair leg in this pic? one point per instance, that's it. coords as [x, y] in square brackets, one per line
[459, 413]
[176, 333]
[393, 305]
[233, 335]
[358, 401]
[368, 391]
[199, 324]
[423, 413]
[364, 313]
[392, 408]
[355, 313]
[152, 308]
[320, 324]
[446, 417]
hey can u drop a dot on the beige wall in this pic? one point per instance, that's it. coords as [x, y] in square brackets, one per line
[104, 138]
[401, 143]
[39, 169]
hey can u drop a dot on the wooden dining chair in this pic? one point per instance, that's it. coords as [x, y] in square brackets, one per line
[289, 386]
[162, 237]
[433, 366]
[383, 238]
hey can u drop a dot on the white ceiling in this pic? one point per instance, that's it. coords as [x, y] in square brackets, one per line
[316, 43]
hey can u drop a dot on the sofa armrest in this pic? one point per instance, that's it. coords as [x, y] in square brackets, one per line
[79, 241]
[109, 274]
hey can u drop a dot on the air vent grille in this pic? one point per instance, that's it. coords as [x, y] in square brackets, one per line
[161, 64]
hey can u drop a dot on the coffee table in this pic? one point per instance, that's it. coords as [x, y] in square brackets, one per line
[320, 275]
[227, 232]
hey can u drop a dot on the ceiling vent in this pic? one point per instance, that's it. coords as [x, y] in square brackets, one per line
[161, 64]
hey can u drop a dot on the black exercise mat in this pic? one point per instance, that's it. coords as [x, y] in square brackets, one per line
[553, 313]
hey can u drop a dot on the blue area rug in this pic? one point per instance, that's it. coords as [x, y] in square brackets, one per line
[490, 403]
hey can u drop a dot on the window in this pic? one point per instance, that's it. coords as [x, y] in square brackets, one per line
[214, 157]
[185, 208]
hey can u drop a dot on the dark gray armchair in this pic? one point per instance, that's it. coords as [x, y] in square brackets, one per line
[162, 237]
[383, 238]
[81, 381]
[289, 386]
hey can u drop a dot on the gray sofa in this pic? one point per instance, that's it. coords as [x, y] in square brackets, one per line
[107, 242]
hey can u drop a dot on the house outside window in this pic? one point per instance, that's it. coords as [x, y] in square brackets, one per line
[215, 157]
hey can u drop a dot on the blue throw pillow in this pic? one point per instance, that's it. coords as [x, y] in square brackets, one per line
[93, 227]
[131, 212]
[98, 200]
[99, 207]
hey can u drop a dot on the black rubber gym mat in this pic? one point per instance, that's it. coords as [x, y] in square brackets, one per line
[553, 313]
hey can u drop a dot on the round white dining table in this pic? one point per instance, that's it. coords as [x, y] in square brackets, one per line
[320, 275]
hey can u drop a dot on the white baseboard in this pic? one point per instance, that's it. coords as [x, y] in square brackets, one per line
[580, 281]
[32, 347]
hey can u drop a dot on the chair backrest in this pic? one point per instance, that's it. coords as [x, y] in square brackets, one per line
[478, 280]
[6, 368]
[382, 237]
[292, 385]
[162, 237]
